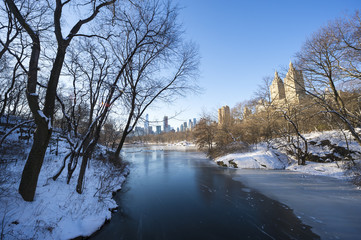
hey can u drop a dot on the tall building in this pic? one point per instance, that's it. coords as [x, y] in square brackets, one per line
[224, 116]
[277, 89]
[181, 128]
[138, 131]
[185, 126]
[146, 124]
[246, 112]
[194, 122]
[294, 85]
[291, 90]
[190, 124]
[165, 124]
[158, 129]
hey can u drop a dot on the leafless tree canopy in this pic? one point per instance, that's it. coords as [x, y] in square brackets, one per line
[78, 62]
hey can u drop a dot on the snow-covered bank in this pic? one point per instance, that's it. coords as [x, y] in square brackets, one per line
[321, 169]
[326, 202]
[261, 158]
[57, 212]
[321, 144]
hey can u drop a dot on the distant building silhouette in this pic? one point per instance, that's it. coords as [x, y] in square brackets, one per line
[185, 126]
[190, 124]
[158, 129]
[146, 124]
[165, 124]
[291, 90]
[224, 116]
[138, 131]
[277, 89]
[150, 130]
[246, 112]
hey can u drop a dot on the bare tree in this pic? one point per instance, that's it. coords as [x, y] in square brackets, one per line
[347, 31]
[204, 133]
[319, 61]
[151, 63]
[295, 139]
[9, 29]
[93, 86]
[44, 118]
[162, 65]
[144, 90]
[11, 64]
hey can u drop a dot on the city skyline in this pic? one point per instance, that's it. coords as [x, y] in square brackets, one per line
[161, 127]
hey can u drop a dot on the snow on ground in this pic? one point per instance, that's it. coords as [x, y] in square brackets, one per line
[58, 211]
[323, 169]
[266, 158]
[183, 143]
[328, 168]
[261, 158]
[335, 137]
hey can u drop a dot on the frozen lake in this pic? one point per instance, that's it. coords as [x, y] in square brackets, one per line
[331, 206]
[182, 195]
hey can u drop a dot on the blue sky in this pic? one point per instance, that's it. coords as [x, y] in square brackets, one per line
[241, 42]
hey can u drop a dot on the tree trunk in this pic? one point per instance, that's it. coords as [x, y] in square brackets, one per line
[29, 178]
[120, 145]
[84, 163]
[43, 133]
[126, 128]
[87, 154]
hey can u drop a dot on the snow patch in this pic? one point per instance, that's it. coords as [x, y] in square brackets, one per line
[262, 158]
[58, 211]
[42, 115]
[266, 158]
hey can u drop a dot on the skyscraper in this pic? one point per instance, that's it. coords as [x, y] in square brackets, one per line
[146, 124]
[165, 124]
[158, 129]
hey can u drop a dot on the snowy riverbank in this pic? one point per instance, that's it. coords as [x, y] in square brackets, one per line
[58, 211]
[321, 144]
[319, 192]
